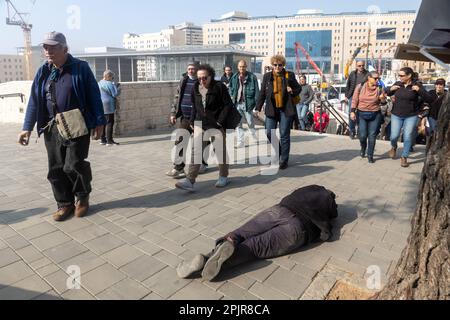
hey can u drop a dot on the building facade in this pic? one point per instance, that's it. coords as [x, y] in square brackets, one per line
[11, 68]
[330, 39]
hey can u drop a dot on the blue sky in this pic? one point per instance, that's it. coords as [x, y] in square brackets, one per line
[104, 22]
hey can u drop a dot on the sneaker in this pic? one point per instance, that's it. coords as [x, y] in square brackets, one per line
[222, 182]
[185, 184]
[370, 159]
[393, 153]
[187, 268]
[63, 213]
[176, 174]
[284, 166]
[221, 254]
[103, 143]
[203, 169]
[81, 207]
[113, 143]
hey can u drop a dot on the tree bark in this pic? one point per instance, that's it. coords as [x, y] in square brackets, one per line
[423, 271]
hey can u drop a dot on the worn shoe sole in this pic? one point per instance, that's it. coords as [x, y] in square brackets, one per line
[186, 269]
[212, 267]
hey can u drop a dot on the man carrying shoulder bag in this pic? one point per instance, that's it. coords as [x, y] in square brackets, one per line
[65, 103]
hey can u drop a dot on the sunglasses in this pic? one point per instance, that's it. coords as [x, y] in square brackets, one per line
[360, 66]
[203, 79]
[402, 75]
[277, 65]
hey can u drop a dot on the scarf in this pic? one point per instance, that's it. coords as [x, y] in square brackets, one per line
[278, 89]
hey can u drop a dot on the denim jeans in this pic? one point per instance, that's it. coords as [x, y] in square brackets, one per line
[285, 133]
[246, 117]
[302, 110]
[409, 125]
[368, 132]
[351, 123]
[433, 125]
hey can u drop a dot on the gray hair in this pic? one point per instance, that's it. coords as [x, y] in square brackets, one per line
[108, 73]
[372, 74]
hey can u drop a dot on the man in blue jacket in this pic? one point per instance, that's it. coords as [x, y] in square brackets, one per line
[74, 87]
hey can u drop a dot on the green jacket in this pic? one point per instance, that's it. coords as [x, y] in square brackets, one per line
[251, 90]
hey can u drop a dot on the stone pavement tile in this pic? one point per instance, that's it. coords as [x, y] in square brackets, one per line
[65, 251]
[77, 295]
[126, 289]
[172, 247]
[102, 278]
[319, 288]
[152, 237]
[29, 254]
[48, 296]
[97, 219]
[3, 245]
[265, 292]
[25, 289]
[165, 283]
[134, 228]
[147, 247]
[190, 213]
[395, 238]
[104, 244]
[181, 235]
[89, 233]
[17, 242]
[38, 264]
[86, 261]
[235, 292]
[200, 244]
[111, 227]
[143, 267]
[349, 267]
[162, 226]
[58, 280]
[153, 296]
[122, 255]
[47, 270]
[311, 259]
[129, 212]
[289, 283]
[50, 240]
[304, 271]
[144, 219]
[366, 260]
[129, 238]
[259, 270]
[196, 291]
[7, 232]
[7, 257]
[369, 230]
[13, 273]
[284, 262]
[71, 225]
[20, 225]
[388, 254]
[168, 258]
[337, 249]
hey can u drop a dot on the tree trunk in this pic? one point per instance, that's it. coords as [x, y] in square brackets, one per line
[423, 271]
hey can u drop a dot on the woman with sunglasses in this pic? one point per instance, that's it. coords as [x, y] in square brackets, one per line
[409, 97]
[278, 89]
[211, 105]
[367, 101]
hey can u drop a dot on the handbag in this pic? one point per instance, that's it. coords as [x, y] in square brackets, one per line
[70, 124]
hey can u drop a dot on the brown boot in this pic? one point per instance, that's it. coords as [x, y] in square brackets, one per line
[404, 162]
[63, 213]
[81, 207]
[393, 153]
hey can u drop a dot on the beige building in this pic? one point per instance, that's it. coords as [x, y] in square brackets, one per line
[331, 39]
[180, 35]
[11, 68]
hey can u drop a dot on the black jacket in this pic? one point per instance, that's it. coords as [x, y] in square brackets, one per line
[353, 82]
[314, 204]
[176, 106]
[407, 101]
[435, 106]
[266, 95]
[218, 104]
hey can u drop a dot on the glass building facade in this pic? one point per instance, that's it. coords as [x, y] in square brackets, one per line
[317, 43]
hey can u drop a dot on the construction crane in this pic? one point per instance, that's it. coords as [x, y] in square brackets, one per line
[310, 60]
[350, 61]
[16, 18]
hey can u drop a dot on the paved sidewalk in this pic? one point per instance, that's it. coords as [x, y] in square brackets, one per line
[141, 227]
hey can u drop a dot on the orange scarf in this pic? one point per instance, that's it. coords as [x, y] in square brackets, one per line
[278, 89]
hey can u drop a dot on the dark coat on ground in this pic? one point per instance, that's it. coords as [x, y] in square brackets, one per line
[316, 204]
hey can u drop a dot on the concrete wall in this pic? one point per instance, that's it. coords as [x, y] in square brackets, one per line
[12, 109]
[141, 107]
[144, 106]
